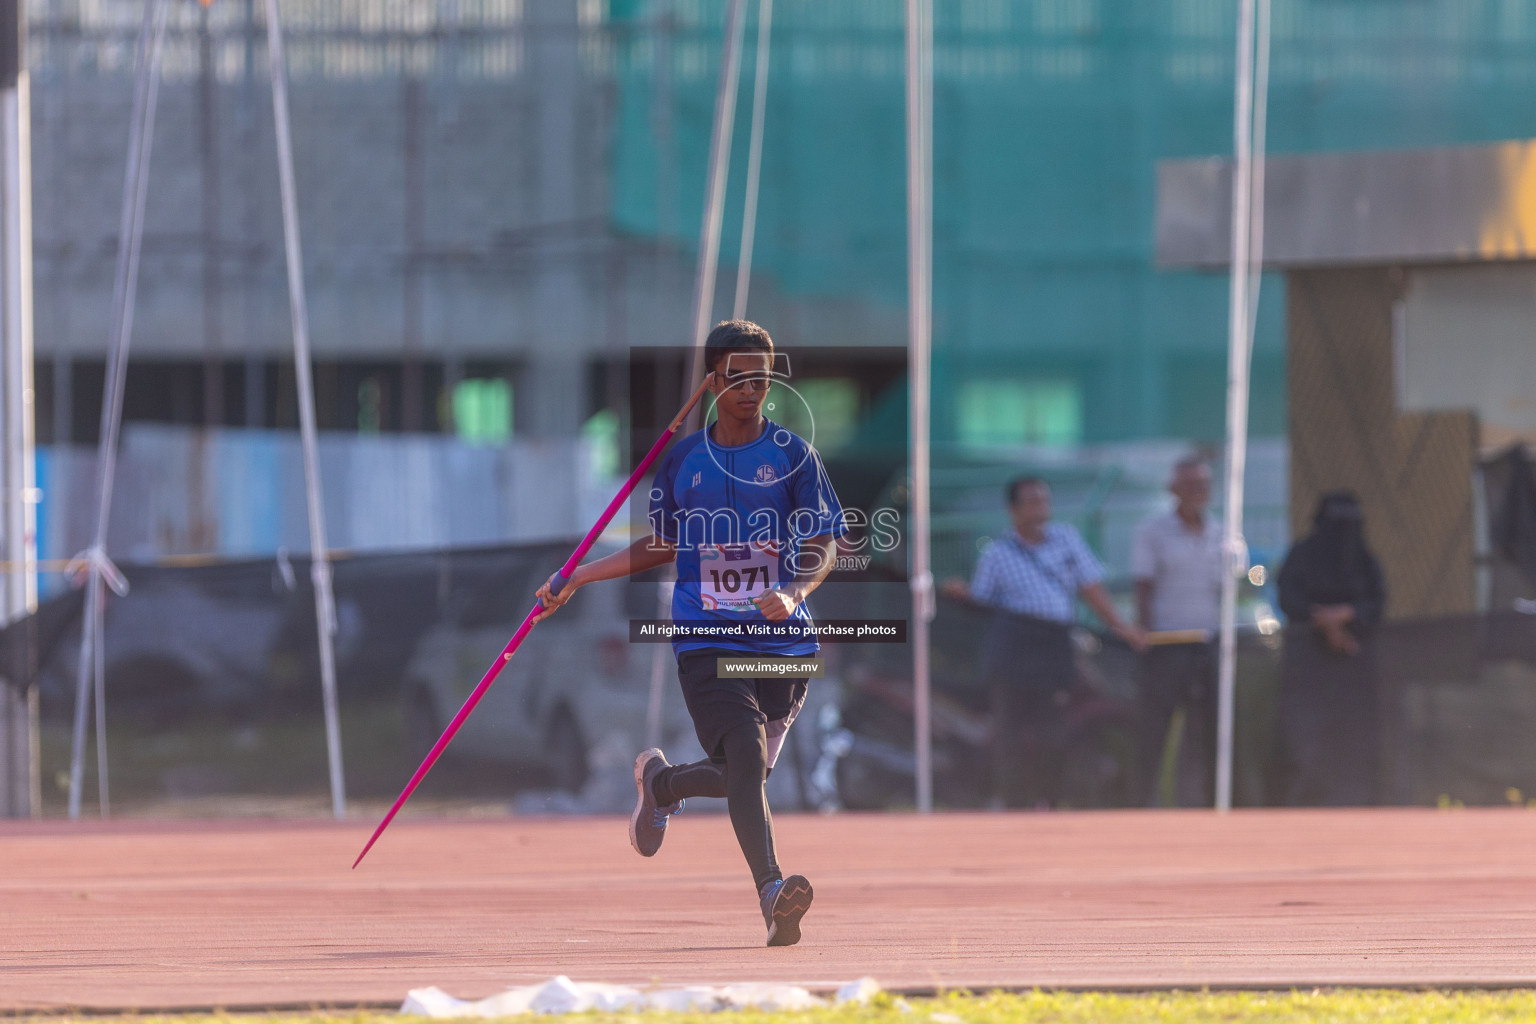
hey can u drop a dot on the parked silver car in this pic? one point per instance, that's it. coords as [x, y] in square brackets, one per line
[178, 646]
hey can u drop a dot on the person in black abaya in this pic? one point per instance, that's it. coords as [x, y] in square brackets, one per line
[1332, 593]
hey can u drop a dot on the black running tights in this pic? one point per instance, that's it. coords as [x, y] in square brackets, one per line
[741, 780]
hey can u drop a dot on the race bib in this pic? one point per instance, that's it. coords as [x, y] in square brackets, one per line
[732, 576]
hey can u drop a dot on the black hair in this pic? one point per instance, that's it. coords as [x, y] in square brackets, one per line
[1011, 491]
[1191, 461]
[734, 336]
[1340, 506]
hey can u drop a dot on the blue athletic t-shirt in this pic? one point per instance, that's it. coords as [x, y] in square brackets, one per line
[738, 516]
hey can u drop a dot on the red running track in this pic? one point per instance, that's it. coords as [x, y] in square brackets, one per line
[140, 915]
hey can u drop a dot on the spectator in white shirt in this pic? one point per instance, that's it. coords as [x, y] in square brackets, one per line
[1176, 559]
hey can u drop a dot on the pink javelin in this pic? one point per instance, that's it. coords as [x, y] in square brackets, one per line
[522, 631]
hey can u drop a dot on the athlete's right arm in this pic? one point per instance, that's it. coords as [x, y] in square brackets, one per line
[646, 553]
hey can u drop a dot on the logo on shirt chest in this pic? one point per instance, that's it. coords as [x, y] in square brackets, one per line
[765, 474]
[697, 478]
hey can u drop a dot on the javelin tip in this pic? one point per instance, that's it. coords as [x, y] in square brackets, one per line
[399, 802]
[371, 840]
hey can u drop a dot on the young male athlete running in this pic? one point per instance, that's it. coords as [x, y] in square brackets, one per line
[745, 508]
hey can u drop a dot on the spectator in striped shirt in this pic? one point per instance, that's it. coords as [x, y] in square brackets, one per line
[1033, 577]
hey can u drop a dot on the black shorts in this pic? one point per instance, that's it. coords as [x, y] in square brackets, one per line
[719, 705]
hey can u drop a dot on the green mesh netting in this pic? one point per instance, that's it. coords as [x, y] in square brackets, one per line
[1049, 118]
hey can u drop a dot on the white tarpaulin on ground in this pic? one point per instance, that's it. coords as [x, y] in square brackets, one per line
[562, 995]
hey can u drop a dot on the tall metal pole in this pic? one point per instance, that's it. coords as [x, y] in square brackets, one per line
[1239, 352]
[1256, 189]
[754, 159]
[413, 174]
[141, 133]
[320, 566]
[714, 196]
[245, 121]
[213, 257]
[703, 282]
[20, 771]
[919, 35]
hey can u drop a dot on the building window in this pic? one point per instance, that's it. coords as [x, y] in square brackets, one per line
[482, 410]
[601, 431]
[370, 406]
[1011, 412]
